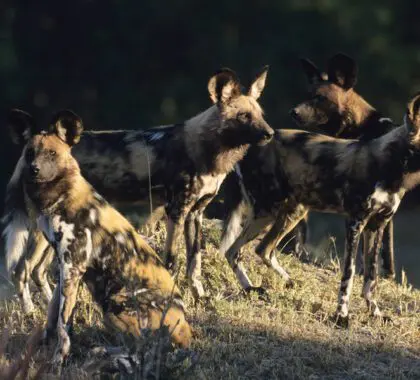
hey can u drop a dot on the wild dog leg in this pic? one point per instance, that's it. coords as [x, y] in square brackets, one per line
[174, 227]
[388, 250]
[177, 209]
[373, 240]
[21, 280]
[354, 227]
[40, 273]
[286, 220]
[193, 243]
[250, 231]
[52, 317]
[34, 252]
[193, 237]
[301, 234]
[70, 277]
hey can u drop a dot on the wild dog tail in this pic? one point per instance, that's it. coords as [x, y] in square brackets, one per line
[15, 221]
[237, 204]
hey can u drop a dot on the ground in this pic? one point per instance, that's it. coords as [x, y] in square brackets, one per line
[288, 335]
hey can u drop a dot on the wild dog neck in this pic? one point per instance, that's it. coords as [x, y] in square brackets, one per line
[398, 158]
[69, 191]
[362, 121]
[214, 147]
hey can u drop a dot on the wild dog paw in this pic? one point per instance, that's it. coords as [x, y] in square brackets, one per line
[290, 284]
[341, 320]
[389, 275]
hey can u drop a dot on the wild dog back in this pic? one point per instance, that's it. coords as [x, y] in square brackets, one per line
[95, 243]
[330, 174]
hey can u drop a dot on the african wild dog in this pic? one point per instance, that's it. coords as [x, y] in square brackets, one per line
[184, 164]
[363, 179]
[334, 108]
[94, 244]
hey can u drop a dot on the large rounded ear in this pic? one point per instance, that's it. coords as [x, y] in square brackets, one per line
[258, 84]
[67, 126]
[312, 72]
[412, 116]
[342, 70]
[21, 126]
[223, 86]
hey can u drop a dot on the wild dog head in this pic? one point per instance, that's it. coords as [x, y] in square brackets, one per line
[241, 116]
[334, 106]
[48, 154]
[412, 124]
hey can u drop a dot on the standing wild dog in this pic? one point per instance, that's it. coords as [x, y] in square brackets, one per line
[94, 244]
[335, 109]
[183, 165]
[363, 179]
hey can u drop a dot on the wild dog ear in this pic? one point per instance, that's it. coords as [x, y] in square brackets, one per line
[223, 86]
[258, 84]
[412, 116]
[21, 126]
[342, 70]
[67, 126]
[312, 72]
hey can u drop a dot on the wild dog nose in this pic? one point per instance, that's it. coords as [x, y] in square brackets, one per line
[267, 134]
[34, 169]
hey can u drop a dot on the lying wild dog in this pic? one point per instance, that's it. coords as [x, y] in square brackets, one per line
[183, 164]
[363, 179]
[334, 108]
[94, 244]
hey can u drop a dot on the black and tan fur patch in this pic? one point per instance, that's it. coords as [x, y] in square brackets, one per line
[95, 244]
[364, 180]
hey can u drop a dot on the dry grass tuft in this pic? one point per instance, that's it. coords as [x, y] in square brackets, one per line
[289, 335]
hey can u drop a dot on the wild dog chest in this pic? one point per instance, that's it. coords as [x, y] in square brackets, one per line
[383, 201]
[72, 243]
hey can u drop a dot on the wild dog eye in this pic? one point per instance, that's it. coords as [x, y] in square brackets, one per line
[52, 153]
[244, 117]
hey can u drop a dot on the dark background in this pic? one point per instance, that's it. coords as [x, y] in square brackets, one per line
[133, 64]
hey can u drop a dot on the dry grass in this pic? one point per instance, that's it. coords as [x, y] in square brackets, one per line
[288, 335]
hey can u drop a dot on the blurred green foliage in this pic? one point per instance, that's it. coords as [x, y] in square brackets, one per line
[132, 64]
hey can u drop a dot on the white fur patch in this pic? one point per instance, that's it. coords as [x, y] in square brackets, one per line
[142, 159]
[89, 243]
[156, 136]
[119, 237]
[234, 220]
[93, 215]
[52, 225]
[16, 236]
[384, 199]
